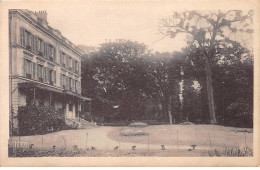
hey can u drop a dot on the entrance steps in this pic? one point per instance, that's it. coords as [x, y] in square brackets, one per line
[82, 124]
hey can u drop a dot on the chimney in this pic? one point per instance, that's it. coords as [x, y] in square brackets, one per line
[42, 15]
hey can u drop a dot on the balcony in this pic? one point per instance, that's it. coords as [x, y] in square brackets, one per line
[28, 47]
[41, 79]
[40, 53]
[29, 76]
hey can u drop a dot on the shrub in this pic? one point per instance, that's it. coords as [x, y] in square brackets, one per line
[133, 132]
[240, 114]
[138, 124]
[34, 120]
[232, 152]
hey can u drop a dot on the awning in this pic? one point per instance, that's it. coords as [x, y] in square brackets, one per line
[76, 95]
[30, 85]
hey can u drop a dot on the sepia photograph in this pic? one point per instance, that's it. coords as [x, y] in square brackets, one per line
[127, 79]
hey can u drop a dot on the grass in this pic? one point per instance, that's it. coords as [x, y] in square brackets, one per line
[220, 136]
[232, 152]
[104, 153]
[177, 140]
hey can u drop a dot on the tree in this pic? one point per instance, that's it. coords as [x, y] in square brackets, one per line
[206, 30]
[115, 75]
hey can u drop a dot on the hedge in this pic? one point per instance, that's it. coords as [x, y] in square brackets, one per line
[38, 120]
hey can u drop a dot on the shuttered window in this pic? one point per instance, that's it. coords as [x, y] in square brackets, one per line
[54, 77]
[61, 80]
[22, 38]
[76, 86]
[67, 83]
[34, 72]
[27, 68]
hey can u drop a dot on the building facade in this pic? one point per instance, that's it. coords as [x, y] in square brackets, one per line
[45, 67]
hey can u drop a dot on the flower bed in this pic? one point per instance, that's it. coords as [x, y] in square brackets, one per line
[133, 132]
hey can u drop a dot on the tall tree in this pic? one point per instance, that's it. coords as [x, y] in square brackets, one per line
[206, 29]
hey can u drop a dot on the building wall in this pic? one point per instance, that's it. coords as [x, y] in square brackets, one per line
[19, 22]
[28, 21]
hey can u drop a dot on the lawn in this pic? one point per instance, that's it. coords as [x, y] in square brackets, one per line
[186, 135]
[105, 139]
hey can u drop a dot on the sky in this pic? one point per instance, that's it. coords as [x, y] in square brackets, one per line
[93, 24]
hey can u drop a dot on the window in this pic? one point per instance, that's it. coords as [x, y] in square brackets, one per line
[76, 67]
[27, 36]
[22, 38]
[34, 70]
[67, 83]
[70, 84]
[70, 63]
[27, 68]
[76, 82]
[52, 55]
[40, 46]
[52, 77]
[63, 80]
[46, 75]
[67, 61]
[73, 85]
[62, 56]
[40, 73]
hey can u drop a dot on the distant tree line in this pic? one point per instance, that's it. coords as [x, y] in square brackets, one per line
[210, 81]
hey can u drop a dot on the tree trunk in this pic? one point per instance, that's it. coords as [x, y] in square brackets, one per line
[212, 113]
[169, 110]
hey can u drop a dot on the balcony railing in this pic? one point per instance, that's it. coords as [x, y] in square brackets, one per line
[29, 76]
[40, 53]
[28, 47]
[40, 79]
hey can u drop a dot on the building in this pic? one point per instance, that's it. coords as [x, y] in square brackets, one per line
[45, 67]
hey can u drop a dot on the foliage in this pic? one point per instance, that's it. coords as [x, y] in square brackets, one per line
[133, 132]
[206, 30]
[35, 120]
[138, 124]
[232, 152]
[206, 77]
[240, 114]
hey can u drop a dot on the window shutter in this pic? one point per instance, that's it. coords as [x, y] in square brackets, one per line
[44, 74]
[47, 75]
[79, 86]
[34, 72]
[22, 37]
[38, 72]
[30, 40]
[67, 60]
[54, 54]
[72, 85]
[67, 82]
[60, 58]
[54, 77]
[24, 62]
[61, 80]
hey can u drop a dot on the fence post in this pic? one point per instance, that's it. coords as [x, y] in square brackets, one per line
[64, 141]
[177, 140]
[86, 140]
[42, 141]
